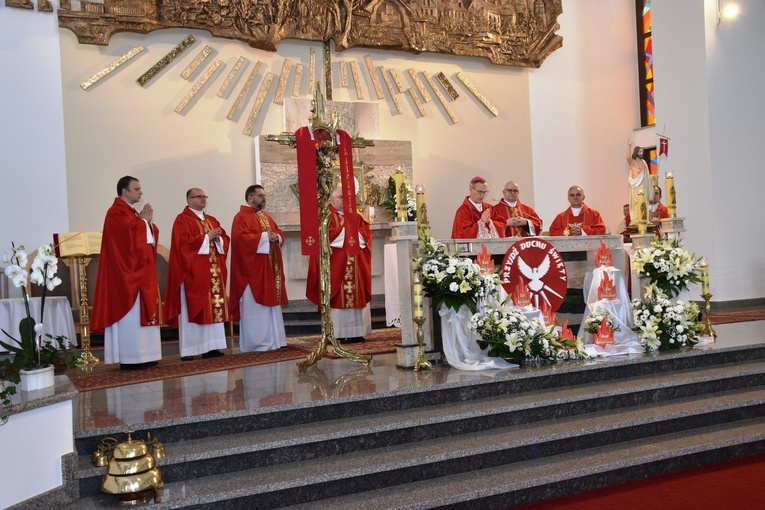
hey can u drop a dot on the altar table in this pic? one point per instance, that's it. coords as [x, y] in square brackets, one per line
[57, 321]
[405, 248]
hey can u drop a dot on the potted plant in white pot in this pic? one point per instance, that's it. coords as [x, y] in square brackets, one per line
[27, 366]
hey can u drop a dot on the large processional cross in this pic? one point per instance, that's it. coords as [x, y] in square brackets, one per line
[327, 147]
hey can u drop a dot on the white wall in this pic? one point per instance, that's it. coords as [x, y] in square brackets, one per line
[564, 123]
[32, 174]
[584, 107]
[117, 128]
[709, 98]
[33, 443]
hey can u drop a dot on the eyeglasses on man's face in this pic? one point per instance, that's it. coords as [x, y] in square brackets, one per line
[509, 190]
[198, 196]
[482, 192]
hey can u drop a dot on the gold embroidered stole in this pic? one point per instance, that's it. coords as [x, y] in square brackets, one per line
[570, 223]
[272, 255]
[348, 282]
[216, 294]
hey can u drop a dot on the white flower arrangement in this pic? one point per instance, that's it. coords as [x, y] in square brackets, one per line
[509, 334]
[667, 266]
[43, 272]
[595, 319]
[662, 323]
[452, 280]
[26, 350]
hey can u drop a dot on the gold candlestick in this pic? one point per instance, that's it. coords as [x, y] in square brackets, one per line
[421, 361]
[422, 211]
[671, 196]
[708, 329]
[402, 205]
[704, 267]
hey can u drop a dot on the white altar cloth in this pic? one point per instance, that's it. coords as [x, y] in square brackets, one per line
[625, 340]
[460, 343]
[592, 281]
[57, 321]
[392, 301]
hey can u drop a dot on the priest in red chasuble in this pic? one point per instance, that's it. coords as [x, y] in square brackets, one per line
[577, 220]
[350, 276]
[473, 218]
[127, 305]
[195, 297]
[656, 210]
[257, 275]
[519, 219]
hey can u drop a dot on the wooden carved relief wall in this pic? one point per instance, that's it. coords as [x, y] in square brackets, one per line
[507, 32]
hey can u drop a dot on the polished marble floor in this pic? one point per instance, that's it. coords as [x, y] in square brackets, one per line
[277, 385]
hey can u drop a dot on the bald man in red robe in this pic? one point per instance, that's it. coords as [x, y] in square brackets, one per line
[258, 291]
[127, 304]
[350, 276]
[578, 220]
[473, 218]
[195, 297]
[519, 219]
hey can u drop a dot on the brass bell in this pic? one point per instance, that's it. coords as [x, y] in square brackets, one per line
[99, 458]
[158, 450]
[131, 471]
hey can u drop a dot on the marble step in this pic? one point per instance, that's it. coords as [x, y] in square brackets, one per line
[708, 399]
[564, 386]
[481, 470]
[508, 389]
[541, 479]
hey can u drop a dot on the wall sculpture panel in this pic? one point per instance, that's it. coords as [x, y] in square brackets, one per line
[507, 32]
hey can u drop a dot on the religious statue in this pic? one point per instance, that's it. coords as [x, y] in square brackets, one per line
[639, 178]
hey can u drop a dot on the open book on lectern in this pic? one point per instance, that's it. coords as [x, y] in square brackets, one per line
[77, 244]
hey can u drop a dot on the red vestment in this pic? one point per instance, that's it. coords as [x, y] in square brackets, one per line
[502, 211]
[263, 272]
[589, 219]
[466, 220]
[204, 276]
[126, 266]
[350, 275]
[661, 212]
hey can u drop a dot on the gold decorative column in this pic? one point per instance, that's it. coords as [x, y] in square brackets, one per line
[86, 360]
[707, 296]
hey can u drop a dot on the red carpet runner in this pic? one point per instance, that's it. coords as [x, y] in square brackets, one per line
[169, 370]
[108, 376]
[731, 485]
